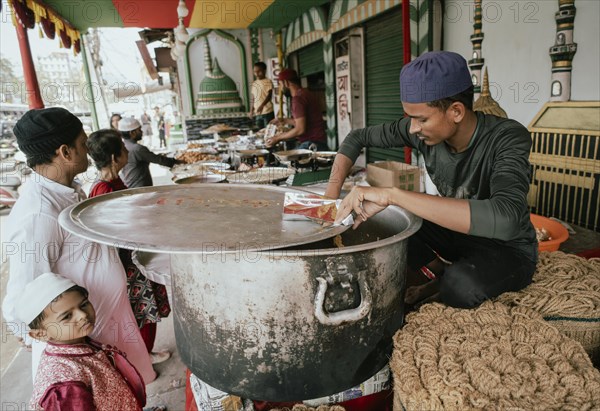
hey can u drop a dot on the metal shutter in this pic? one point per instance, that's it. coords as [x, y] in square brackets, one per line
[383, 61]
[310, 59]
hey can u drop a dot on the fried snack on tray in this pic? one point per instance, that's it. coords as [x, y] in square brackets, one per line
[244, 167]
[198, 145]
[218, 128]
[195, 156]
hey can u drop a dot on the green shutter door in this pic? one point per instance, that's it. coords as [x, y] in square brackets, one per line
[310, 59]
[383, 61]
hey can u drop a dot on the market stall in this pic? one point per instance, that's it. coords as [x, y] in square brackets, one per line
[225, 155]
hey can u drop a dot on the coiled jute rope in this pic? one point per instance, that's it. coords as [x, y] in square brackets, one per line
[494, 357]
[566, 291]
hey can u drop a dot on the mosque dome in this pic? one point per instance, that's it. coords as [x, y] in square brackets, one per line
[217, 92]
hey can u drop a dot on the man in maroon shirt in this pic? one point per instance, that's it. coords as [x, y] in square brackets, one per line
[309, 126]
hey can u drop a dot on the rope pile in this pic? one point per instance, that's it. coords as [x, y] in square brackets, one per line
[566, 292]
[491, 357]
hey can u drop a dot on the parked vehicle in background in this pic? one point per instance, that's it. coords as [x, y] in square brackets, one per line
[12, 162]
[9, 115]
[12, 171]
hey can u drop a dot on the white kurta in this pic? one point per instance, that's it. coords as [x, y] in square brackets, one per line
[36, 244]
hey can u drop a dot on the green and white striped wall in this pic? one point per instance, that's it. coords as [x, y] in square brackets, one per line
[420, 38]
[330, 91]
[305, 30]
[421, 41]
[346, 13]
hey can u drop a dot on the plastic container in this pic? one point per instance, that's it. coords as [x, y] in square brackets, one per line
[557, 232]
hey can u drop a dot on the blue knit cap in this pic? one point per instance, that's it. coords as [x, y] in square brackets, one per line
[433, 76]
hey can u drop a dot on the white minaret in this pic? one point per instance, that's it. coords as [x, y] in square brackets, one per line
[477, 61]
[563, 51]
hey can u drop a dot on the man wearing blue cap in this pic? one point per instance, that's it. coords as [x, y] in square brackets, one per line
[476, 239]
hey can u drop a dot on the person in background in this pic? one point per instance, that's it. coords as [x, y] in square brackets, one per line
[136, 172]
[162, 130]
[146, 124]
[114, 121]
[175, 124]
[261, 101]
[309, 126]
[477, 239]
[149, 300]
[75, 372]
[155, 119]
[54, 143]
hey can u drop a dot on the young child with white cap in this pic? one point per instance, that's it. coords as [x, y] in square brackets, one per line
[75, 372]
[54, 142]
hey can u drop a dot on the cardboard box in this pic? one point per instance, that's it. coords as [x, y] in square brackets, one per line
[394, 174]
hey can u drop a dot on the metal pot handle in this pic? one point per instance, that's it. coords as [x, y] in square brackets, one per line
[345, 316]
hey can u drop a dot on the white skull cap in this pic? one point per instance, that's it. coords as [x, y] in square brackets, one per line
[39, 293]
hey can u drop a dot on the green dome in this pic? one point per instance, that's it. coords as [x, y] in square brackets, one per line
[218, 92]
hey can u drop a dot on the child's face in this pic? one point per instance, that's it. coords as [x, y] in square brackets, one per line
[259, 73]
[121, 160]
[68, 320]
[114, 121]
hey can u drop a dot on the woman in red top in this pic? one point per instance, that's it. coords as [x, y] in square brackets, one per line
[148, 299]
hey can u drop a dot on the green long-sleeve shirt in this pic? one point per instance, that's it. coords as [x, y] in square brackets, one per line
[493, 173]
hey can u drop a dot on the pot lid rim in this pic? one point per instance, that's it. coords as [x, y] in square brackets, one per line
[70, 221]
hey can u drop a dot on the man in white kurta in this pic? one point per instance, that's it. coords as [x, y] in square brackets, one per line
[36, 244]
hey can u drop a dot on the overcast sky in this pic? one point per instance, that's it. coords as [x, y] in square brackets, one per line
[117, 48]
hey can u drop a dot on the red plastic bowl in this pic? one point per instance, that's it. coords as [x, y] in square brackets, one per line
[557, 232]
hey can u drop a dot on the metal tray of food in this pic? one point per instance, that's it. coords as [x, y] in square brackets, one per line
[263, 175]
[218, 128]
[199, 179]
[325, 154]
[203, 218]
[291, 155]
[200, 167]
[252, 153]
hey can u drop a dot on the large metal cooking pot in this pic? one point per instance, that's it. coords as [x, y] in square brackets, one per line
[280, 324]
[297, 323]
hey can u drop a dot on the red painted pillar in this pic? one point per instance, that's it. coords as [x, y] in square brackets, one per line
[32, 87]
